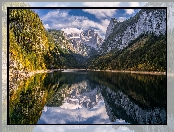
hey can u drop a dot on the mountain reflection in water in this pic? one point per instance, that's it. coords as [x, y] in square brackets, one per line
[92, 98]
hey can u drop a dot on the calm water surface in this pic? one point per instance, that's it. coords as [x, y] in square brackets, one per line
[89, 98]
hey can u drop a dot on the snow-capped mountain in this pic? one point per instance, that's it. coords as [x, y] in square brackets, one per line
[84, 42]
[80, 96]
[119, 34]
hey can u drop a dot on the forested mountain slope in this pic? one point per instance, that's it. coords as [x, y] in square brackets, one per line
[31, 47]
[138, 43]
[65, 56]
[27, 40]
[145, 21]
[146, 53]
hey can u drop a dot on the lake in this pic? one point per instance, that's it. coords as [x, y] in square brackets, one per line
[89, 97]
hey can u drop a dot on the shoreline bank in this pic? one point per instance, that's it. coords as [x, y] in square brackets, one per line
[26, 74]
[17, 77]
[20, 76]
[121, 71]
[134, 72]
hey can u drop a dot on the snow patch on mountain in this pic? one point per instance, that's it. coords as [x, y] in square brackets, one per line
[84, 42]
[148, 21]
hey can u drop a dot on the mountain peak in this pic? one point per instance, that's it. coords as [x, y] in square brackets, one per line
[110, 27]
[119, 34]
[85, 41]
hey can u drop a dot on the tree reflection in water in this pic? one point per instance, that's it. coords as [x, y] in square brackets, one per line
[137, 99]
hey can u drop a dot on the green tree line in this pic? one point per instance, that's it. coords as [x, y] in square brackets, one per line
[146, 53]
[31, 47]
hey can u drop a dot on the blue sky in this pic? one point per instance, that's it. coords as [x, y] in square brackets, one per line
[76, 20]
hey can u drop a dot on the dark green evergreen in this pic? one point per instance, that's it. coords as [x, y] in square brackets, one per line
[146, 53]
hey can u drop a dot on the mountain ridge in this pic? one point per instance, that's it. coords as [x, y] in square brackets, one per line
[84, 42]
[145, 21]
[122, 47]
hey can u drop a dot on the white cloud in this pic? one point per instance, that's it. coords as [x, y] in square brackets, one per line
[101, 13]
[46, 26]
[69, 22]
[129, 11]
[58, 19]
[121, 19]
[101, 4]
[54, 14]
[53, 116]
[57, 115]
[102, 26]
[72, 30]
[134, 4]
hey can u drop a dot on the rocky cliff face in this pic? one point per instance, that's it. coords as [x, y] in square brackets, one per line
[145, 21]
[130, 109]
[85, 42]
[110, 27]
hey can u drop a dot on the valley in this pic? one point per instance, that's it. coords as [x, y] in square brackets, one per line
[136, 44]
[75, 73]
